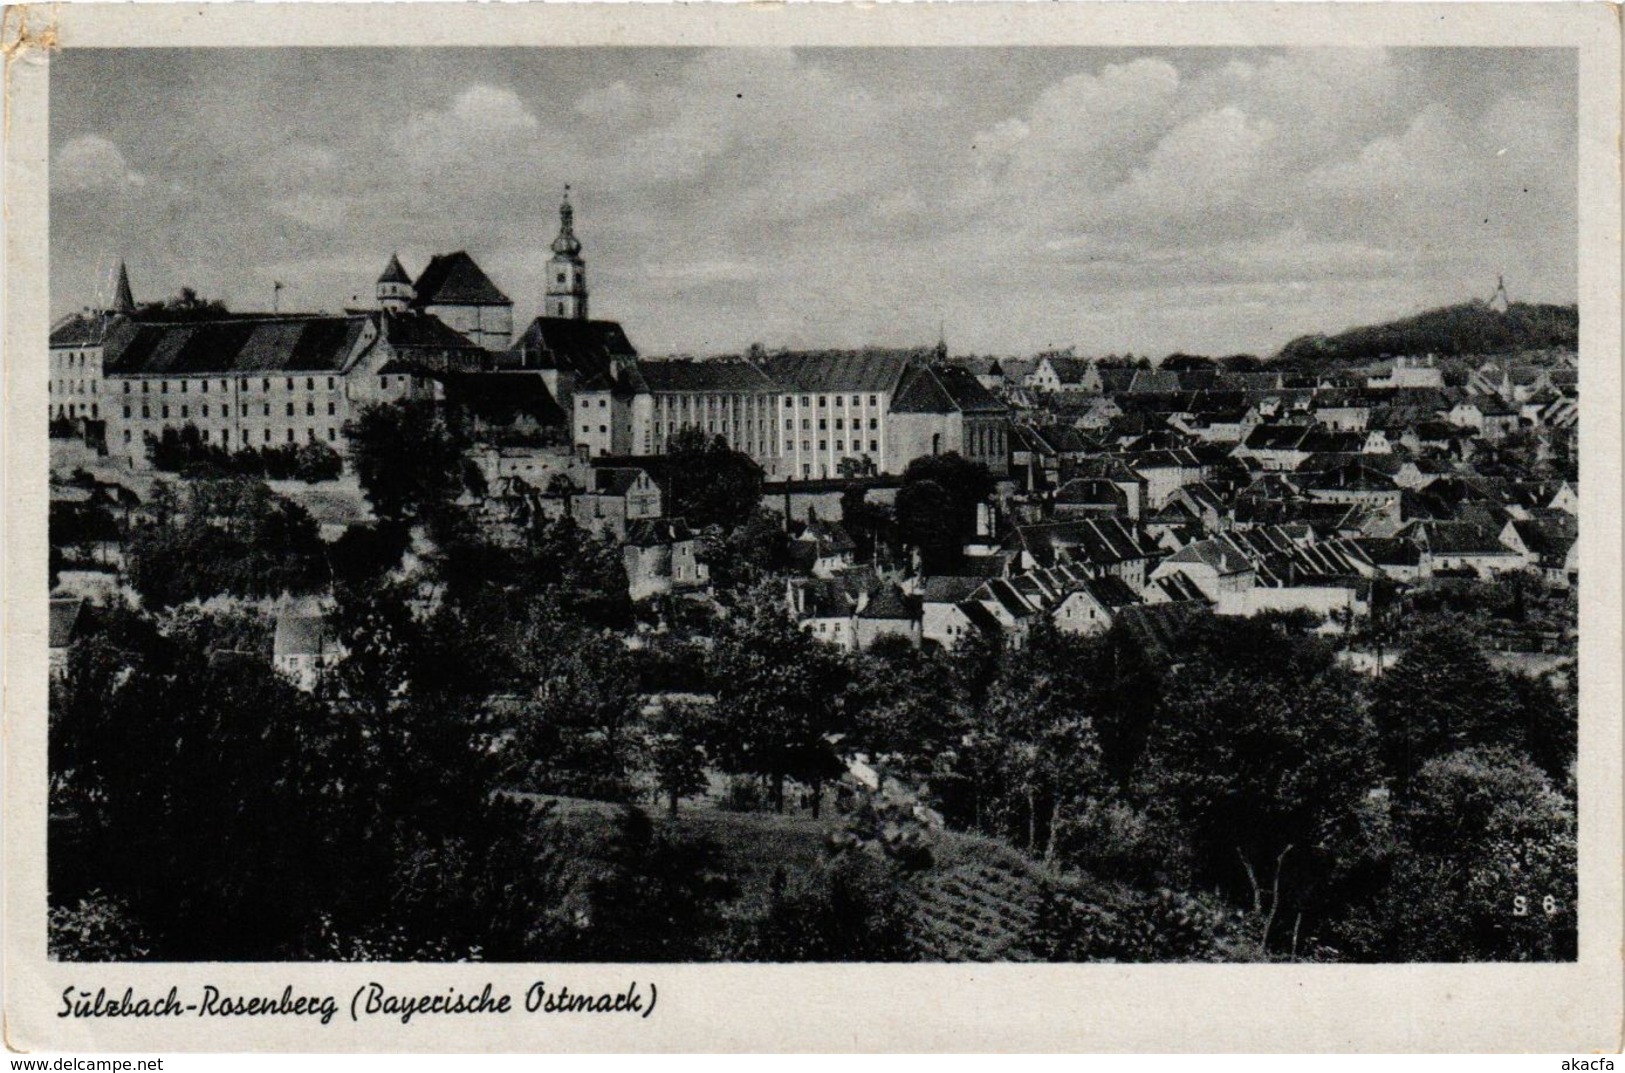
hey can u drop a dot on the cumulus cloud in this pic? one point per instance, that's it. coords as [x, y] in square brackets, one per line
[91, 162]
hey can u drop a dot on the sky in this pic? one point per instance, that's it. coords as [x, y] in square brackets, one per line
[1115, 201]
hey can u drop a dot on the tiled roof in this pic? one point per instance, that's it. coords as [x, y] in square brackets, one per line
[861, 371]
[587, 348]
[414, 330]
[693, 376]
[968, 394]
[501, 397]
[891, 603]
[919, 392]
[64, 620]
[1111, 592]
[80, 330]
[394, 272]
[305, 343]
[652, 532]
[454, 279]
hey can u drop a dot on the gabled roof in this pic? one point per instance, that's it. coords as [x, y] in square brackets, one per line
[949, 589]
[891, 603]
[1095, 541]
[499, 398]
[654, 532]
[295, 343]
[839, 371]
[588, 348]
[1458, 538]
[65, 613]
[967, 392]
[698, 376]
[80, 330]
[454, 279]
[1111, 592]
[1215, 553]
[616, 480]
[920, 392]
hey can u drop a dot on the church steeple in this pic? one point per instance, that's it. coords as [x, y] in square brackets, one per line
[123, 300]
[566, 272]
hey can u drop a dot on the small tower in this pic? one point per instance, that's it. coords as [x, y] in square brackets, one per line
[123, 299]
[394, 287]
[566, 272]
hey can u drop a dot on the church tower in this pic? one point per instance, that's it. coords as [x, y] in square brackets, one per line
[566, 272]
[394, 287]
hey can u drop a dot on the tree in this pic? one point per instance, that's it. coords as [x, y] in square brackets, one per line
[1484, 867]
[676, 733]
[936, 504]
[661, 898]
[904, 710]
[408, 461]
[1266, 752]
[777, 693]
[709, 483]
[1440, 696]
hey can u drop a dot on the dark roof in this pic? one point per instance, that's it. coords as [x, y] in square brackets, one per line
[394, 273]
[413, 329]
[1096, 541]
[891, 603]
[1111, 592]
[949, 588]
[726, 375]
[80, 329]
[587, 348]
[1461, 538]
[1160, 628]
[1390, 551]
[652, 532]
[615, 480]
[454, 279]
[919, 392]
[301, 343]
[499, 398]
[866, 370]
[123, 300]
[967, 392]
[64, 620]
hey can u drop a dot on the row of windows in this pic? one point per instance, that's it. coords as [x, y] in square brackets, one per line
[242, 385]
[823, 424]
[76, 359]
[75, 410]
[225, 436]
[225, 410]
[69, 387]
[840, 445]
[823, 400]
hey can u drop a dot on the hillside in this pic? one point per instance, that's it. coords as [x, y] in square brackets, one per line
[1469, 328]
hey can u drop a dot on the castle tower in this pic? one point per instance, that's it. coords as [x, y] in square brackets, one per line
[566, 272]
[394, 287]
[123, 299]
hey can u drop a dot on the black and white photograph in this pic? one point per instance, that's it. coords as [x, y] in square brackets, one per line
[676, 504]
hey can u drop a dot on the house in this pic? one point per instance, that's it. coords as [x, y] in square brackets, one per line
[1072, 375]
[1213, 566]
[303, 647]
[661, 556]
[1408, 372]
[888, 613]
[1549, 543]
[1462, 547]
[1091, 497]
[1164, 472]
[64, 625]
[826, 544]
[617, 497]
[1094, 605]
[943, 618]
[827, 607]
[1096, 547]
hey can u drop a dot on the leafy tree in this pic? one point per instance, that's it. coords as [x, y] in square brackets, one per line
[661, 898]
[709, 483]
[936, 505]
[1441, 695]
[903, 709]
[1484, 867]
[1266, 752]
[409, 462]
[777, 694]
[675, 737]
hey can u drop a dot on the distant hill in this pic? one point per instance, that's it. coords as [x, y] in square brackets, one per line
[1470, 328]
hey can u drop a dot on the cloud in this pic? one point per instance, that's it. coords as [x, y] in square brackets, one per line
[482, 121]
[91, 162]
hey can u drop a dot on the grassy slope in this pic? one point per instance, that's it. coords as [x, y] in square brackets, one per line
[977, 900]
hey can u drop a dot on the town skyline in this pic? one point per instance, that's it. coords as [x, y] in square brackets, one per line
[1143, 201]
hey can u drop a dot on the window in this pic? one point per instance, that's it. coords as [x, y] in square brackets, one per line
[183, 387]
[265, 384]
[290, 383]
[144, 411]
[290, 409]
[205, 435]
[872, 400]
[290, 435]
[205, 409]
[586, 428]
[874, 423]
[310, 409]
[332, 408]
[823, 401]
[602, 403]
[126, 387]
[267, 435]
[222, 385]
[310, 383]
[163, 387]
[332, 434]
[203, 386]
[93, 412]
[823, 445]
[857, 400]
[330, 383]
[144, 386]
[603, 428]
[789, 424]
[126, 435]
[126, 411]
[805, 401]
[267, 409]
[244, 435]
[166, 410]
[840, 445]
[823, 424]
[839, 424]
[383, 381]
[874, 446]
[242, 384]
[806, 445]
[806, 423]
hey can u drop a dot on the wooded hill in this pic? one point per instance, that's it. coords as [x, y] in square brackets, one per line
[1470, 328]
